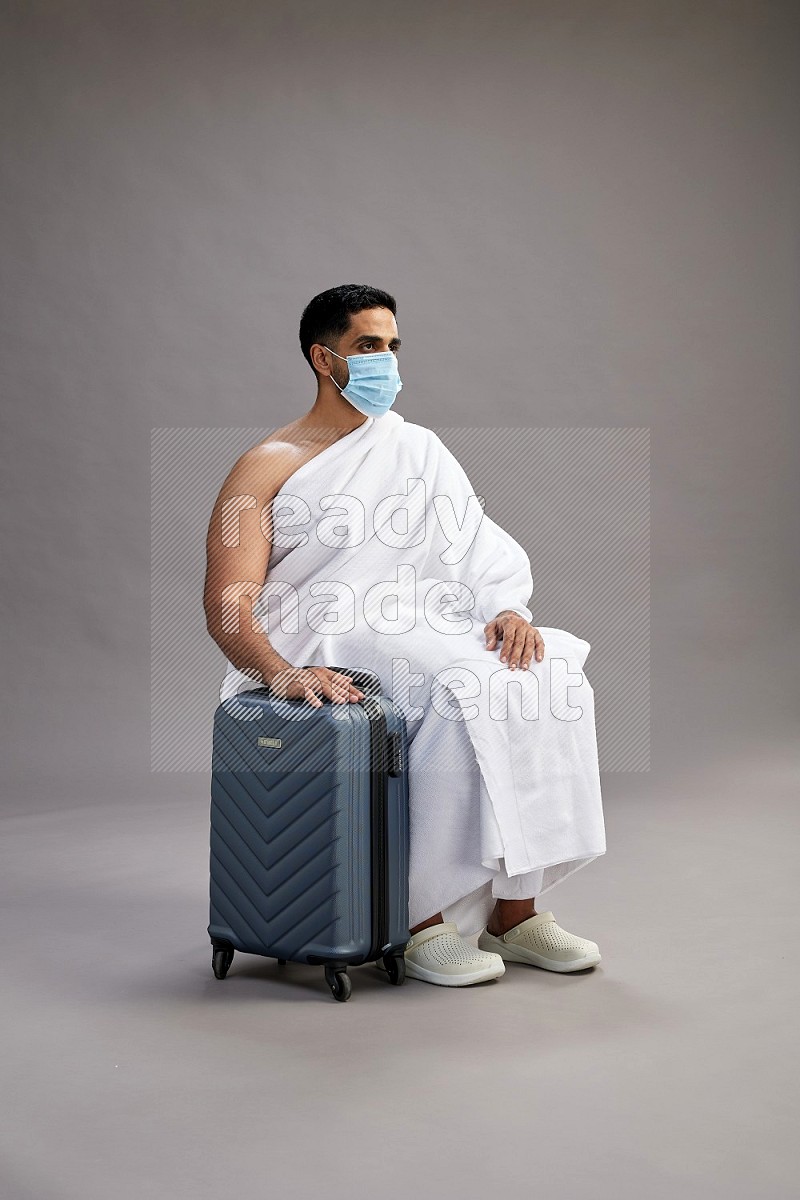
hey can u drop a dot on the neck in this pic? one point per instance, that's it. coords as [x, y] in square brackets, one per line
[332, 412]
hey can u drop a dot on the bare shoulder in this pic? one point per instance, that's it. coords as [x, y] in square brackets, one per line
[263, 469]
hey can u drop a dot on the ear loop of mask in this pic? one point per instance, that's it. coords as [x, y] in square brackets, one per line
[343, 360]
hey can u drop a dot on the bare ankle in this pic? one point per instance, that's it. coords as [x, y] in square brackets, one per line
[436, 919]
[508, 913]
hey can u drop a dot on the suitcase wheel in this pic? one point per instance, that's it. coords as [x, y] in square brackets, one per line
[339, 982]
[395, 966]
[221, 959]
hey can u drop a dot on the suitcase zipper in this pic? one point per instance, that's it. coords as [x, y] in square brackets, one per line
[378, 806]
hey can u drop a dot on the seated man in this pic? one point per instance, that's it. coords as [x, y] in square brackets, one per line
[350, 511]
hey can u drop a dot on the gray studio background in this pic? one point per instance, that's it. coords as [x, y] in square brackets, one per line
[588, 215]
[582, 227]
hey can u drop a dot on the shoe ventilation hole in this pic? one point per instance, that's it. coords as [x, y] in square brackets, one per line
[551, 937]
[448, 949]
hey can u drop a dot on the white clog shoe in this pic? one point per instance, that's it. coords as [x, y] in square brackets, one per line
[438, 954]
[541, 942]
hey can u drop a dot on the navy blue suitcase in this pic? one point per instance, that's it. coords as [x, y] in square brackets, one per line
[309, 832]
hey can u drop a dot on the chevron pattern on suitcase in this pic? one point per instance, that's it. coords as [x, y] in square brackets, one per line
[274, 853]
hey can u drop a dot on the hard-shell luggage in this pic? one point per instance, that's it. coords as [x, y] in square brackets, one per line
[309, 831]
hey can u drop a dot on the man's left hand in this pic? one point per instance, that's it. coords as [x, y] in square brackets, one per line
[521, 640]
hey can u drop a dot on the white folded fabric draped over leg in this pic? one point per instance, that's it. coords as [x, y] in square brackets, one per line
[458, 864]
[503, 774]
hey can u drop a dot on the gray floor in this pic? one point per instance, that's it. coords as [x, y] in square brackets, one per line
[669, 1070]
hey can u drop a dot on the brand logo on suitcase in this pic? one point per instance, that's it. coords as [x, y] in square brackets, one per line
[268, 741]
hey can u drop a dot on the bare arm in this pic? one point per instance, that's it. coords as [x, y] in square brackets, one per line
[237, 549]
[237, 554]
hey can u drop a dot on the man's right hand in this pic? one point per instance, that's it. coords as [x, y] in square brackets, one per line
[309, 683]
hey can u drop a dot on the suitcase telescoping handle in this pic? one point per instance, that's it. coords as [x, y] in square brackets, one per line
[366, 681]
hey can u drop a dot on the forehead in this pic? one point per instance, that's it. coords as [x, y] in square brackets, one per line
[372, 320]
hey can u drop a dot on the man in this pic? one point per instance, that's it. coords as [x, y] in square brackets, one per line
[504, 790]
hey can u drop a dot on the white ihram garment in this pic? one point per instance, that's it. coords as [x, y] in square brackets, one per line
[504, 797]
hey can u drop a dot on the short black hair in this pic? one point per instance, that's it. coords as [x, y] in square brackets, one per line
[327, 316]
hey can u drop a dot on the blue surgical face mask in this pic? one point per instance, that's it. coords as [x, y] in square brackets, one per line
[374, 381]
